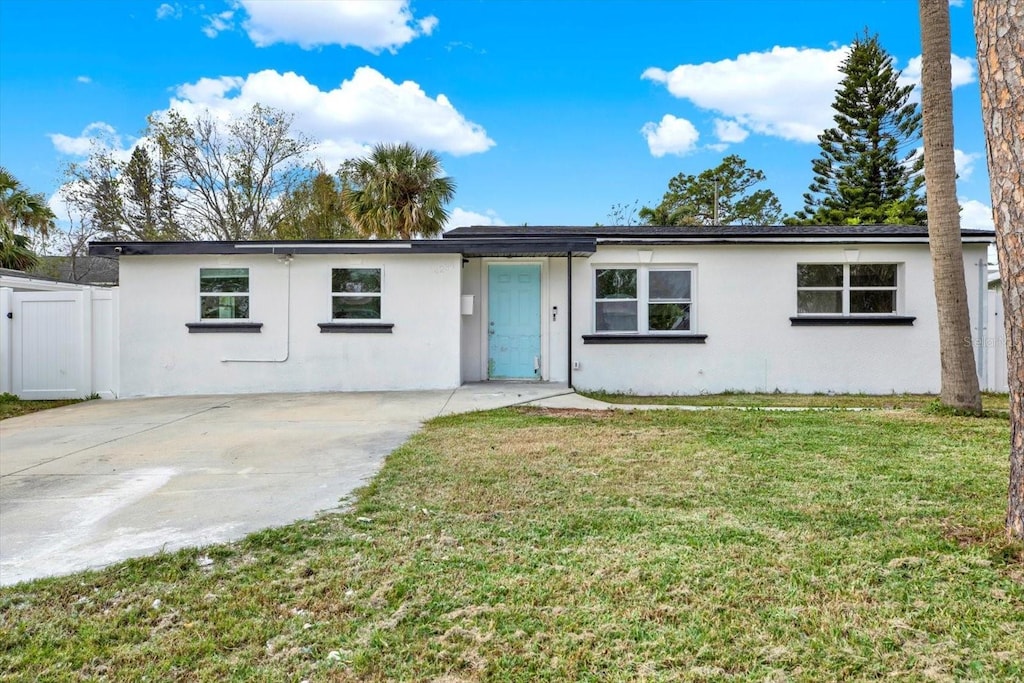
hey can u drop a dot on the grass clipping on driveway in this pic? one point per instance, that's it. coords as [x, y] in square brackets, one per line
[530, 545]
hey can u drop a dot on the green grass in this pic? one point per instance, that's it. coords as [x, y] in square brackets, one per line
[12, 406]
[990, 401]
[524, 545]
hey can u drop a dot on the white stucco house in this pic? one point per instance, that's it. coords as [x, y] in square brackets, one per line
[648, 310]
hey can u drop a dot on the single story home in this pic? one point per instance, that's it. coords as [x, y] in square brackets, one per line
[647, 310]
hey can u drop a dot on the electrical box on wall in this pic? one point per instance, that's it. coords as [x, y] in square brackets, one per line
[467, 304]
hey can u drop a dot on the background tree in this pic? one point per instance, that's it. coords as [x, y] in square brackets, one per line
[868, 171]
[398, 193]
[22, 215]
[230, 176]
[314, 210]
[194, 179]
[690, 200]
[960, 388]
[131, 200]
[999, 32]
[623, 214]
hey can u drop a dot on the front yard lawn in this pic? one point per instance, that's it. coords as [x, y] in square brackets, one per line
[524, 545]
[990, 401]
[12, 406]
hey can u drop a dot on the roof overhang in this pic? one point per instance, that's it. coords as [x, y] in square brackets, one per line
[689, 241]
[720, 234]
[519, 246]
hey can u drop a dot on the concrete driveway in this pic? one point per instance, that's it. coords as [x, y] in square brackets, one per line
[98, 482]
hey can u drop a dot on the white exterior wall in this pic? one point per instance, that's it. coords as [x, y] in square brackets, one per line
[744, 298]
[160, 294]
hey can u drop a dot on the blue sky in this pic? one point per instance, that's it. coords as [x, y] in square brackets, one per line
[544, 113]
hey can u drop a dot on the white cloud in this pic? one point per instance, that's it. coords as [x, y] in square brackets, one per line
[84, 79]
[223, 21]
[786, 92]
[462, 217]
[956, 3]
[975, 214]
[428, 24]
[373, 25]
[98, 135]
[730, 131]
[671, 135]
[964, 72]
[168, 11]
[964, 163]
[366, 109]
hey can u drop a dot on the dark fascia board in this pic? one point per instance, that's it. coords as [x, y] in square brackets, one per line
[530, 246]
[519, 246]
[765, 241]
[724, 233]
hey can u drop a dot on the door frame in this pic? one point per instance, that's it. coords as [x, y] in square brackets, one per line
[485, 307]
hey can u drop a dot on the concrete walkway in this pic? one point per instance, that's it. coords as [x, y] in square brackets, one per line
[91, 484]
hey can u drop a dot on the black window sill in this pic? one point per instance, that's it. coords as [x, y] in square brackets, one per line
[356, 328]
[842, 320]
[644, 338]
[244, 328]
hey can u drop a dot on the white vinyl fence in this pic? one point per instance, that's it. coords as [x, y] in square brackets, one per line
[59, 344]
[991, 356]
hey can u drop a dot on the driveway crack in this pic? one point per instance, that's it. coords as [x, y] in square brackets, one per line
[109, 441]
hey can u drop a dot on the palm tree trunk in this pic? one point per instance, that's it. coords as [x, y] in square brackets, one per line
[960, 388]
[999, 31]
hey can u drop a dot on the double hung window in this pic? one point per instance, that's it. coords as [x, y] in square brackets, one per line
[644, 300]
[849, 289]
[355, 293]
[224, 293]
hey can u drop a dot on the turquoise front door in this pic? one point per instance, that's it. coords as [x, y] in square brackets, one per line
[513, 321]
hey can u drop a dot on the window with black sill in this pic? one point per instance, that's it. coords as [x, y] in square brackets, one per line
[848, 294]
[646, 304]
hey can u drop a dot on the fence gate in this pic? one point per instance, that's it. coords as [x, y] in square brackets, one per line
[994, 345]
[49, 343]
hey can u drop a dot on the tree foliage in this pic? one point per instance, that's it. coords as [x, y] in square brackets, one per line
[690, 200]
[230, 175]
[22, 215]
[199, 178]
[398, 192]
[868, 170]
[248, 179]
[133, 200]
[314, 208]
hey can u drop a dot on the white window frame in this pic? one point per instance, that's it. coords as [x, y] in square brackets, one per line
[643, 299]
[847, 288]
[247, 294]
[339, 295]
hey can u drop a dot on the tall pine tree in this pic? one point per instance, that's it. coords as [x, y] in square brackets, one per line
[869, 170]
